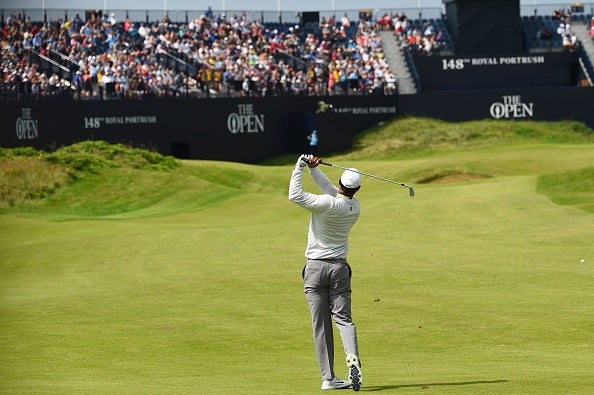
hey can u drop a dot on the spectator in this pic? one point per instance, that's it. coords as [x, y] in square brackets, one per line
[390, 88]
[385, 22]
[400, 27]
[420, 40]
[208, 14]
[568, 37]
[558, 15]
[353, 79]
[440, 38]
[428, 29]
[331, 83]
[544, 34]
[313, 142]
[345, 21]
[143, 31]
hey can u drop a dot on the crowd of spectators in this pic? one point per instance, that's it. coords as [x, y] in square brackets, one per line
[421, 38]
[569, 39]
[208, 56]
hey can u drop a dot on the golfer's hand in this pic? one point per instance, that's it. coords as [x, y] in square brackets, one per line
[304, 160]
[314, 161]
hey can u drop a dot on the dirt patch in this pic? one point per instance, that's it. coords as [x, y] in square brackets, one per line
[453, 178]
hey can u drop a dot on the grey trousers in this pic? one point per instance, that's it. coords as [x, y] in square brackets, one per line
[327, 285]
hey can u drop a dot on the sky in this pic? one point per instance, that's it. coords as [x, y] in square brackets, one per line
[264, 5]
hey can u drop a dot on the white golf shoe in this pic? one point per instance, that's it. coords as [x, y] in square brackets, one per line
[355, 374]
[335, 384]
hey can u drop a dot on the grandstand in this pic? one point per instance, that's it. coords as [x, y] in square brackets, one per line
[210, 55]
[373, 63]
[301, 51]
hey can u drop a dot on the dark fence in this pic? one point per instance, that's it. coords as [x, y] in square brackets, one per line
[251, 130]
[244, 130]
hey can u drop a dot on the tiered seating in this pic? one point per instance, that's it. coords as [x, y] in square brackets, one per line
[540, 33]
[439, 24]
[416, 38]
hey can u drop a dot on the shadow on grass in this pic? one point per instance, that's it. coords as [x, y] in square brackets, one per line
[428, 385]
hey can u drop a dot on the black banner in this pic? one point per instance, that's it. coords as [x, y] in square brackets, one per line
[242, 130]
[251, 130]
[521, 104]
[498, 71]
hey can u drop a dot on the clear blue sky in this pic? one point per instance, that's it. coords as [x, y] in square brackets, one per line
[300, 5]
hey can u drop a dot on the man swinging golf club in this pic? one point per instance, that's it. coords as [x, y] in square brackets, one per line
[327, 274]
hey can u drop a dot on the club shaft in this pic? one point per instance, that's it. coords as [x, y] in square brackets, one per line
[366, 174]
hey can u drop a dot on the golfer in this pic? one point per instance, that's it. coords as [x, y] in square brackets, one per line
[327, 274]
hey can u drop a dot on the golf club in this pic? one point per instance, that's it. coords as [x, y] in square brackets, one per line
[411, 191]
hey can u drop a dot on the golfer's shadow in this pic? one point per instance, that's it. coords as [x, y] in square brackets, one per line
[429, 385]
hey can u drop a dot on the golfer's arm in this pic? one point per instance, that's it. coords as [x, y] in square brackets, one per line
[323, 182]
[304, 199]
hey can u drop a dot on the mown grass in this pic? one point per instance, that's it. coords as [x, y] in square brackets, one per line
[571, 188]
[130, 279]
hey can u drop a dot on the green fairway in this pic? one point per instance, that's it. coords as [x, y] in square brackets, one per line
[164, 279]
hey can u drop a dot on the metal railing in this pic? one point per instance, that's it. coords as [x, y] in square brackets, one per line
[547, 9]
[184, 16]
[182, 65]
[292, 60]
[585, 71]
[27, 90]
[65, 58]
[51, 61]
[287, 17]
[406, 86]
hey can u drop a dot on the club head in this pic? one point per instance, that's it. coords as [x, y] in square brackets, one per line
[411, 191]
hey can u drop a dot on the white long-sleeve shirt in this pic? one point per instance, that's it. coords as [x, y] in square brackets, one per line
[332, 215]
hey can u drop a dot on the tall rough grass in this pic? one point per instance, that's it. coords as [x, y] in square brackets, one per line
[28, 175]
[409, 135]
[24, 179]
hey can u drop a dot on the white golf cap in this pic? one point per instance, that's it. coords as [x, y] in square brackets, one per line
[350, 178]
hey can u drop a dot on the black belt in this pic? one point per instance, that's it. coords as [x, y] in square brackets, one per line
[328, 259]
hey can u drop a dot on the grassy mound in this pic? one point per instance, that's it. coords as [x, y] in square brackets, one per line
[31, 178]
[410, 136]
[94, 178]
[571, 188]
